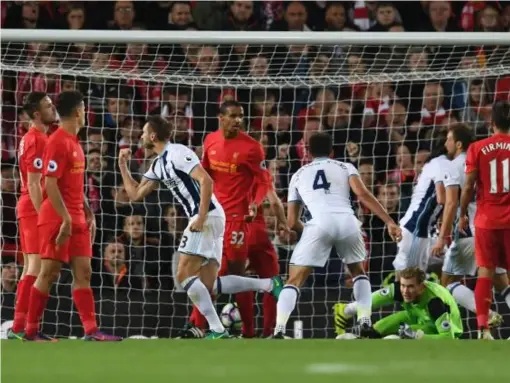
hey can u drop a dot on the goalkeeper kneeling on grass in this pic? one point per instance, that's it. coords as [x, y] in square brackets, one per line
[429, 310]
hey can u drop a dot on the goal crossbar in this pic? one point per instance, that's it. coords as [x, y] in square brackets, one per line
[242, 37]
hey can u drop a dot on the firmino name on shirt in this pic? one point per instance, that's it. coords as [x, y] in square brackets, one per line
[497, 146]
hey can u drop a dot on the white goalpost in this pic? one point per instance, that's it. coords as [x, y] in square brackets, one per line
[384, 98]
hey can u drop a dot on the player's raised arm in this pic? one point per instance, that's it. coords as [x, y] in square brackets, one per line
[135, 191]
[369, 200]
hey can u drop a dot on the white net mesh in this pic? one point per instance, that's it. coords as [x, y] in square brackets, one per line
[383, 106]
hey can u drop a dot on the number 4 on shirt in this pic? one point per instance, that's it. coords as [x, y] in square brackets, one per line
[320, 181]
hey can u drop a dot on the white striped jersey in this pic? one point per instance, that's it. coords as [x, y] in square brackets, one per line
[423, 212]
[456, 176]
[323, 186]
[173, 168]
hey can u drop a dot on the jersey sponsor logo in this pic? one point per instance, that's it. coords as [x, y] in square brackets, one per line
[52, 166]
[38, 163]
[445, 325]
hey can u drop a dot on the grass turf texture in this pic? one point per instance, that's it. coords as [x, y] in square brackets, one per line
[257, 361]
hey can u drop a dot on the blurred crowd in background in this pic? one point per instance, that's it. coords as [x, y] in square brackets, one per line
[386, 129]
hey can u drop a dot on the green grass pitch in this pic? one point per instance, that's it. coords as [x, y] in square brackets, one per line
[258, 361]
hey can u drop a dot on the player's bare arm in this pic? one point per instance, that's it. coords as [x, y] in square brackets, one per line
[465, 198]
[450, 208]
[206, 188]
[91, 219]
[279, 211]
[55, 197]
[369, 200]
[35, 189]
[440, 193]
[294, 212]
[135, 191]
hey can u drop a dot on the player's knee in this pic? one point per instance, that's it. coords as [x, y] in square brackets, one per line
[356, 269]
[33, 265]
[82, 277]
[49, 273]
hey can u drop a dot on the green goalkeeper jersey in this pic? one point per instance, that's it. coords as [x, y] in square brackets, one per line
[436, 313]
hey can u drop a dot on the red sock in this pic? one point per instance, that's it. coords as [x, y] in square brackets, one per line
[22, 300]
[198, 319]
[36, 305]
[84, 301]
[483, 300]
[247, 311]
[269, 307]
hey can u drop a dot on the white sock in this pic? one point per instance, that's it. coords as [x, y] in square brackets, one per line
[351, 309]
[285, 306]
[232, 284]
[363, 296]
[506, 295]
[463, 296]
[199, 295]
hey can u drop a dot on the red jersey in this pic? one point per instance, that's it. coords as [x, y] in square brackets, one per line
[64, 159]
[30, 155]
[491, 158]
[237, 166]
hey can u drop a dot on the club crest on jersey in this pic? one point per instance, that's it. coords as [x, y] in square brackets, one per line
[52, 166]
[38, 163]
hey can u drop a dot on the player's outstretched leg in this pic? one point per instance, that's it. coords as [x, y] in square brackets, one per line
[288, 298]
[232, 284]
[84, 300]
[199, 290]
[39, 295]
[31, 268]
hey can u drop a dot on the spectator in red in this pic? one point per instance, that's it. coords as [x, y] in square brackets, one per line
[258, 66]
[379, 97]
[96, 175]
[95, 141]
[321, 105]
[433, 113]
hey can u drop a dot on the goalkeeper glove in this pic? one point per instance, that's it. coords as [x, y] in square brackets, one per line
[406, 332]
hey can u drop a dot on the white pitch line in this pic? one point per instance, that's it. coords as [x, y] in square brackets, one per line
[339, 368]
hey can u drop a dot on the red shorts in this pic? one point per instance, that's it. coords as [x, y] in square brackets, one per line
[261, 252]
[235, 241]
[29, 235]
[78, 245]
[492, 248]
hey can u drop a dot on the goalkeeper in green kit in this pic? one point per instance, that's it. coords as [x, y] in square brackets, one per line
[429, 310]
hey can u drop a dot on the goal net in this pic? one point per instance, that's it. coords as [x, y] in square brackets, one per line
[384, 105]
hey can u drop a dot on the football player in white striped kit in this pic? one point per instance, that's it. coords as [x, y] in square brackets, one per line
[201, 246]
[459, 259]
[421, 216]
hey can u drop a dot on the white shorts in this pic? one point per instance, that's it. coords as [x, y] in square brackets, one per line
[460, 258]
[321, 233]
[208, 243]
[412, 252]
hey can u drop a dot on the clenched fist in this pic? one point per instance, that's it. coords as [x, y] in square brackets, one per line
[124, 156]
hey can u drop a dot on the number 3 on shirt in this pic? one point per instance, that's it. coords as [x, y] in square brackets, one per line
[494, 176]
[320, 181]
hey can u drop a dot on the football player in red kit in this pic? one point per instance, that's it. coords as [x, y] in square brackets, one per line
[488, 168]
[41, 112]
[236, 163]
[66, 224]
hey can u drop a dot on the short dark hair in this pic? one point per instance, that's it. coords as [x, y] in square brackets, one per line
[414, 272]
[93, 131]
[160, 126]
[384, 4]
[174, 3]
[366, 161]
[320, 144]
[438, 148]
[94, 151]
[229, 104]
[501, 115]
[32, 103]
[462, 133]
[67, 102]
